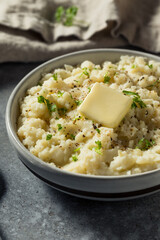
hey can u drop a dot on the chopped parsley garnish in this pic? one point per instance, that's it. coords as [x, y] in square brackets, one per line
[41, 99]
[98, 148]
[77, 149]
[49, 136]
[72, 136]
[129, 93]
[51, 107]
[55, 76]
[150, 66]
[56, 118]
[133, 66]
[60, 94]
[59, 126]
[98, 130]
[78, 102]
[89, 89]
[106, 78]
[85, 72]
[66, 16]
[74, 158]
[145, 144]
[137, 101]
[78, 118]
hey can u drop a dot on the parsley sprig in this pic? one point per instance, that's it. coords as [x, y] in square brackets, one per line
[66, 16]
[145, 144]
[51, 107]
[137, 101]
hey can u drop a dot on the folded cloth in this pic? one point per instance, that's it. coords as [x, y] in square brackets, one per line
[28, 31]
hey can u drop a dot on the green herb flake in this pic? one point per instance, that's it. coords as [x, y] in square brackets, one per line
[133, 66]
[70, 14]
[77, 149]
[78, 118]
[49, 136]
[85, 72]
[98, 130]
[74, 158]
[89, 89]
[98, 148]
[150, 66]
[55, 76]
[51, 107]
[145, 144]
[137, 101]
[59, 126]
[41, 99]
[72, 136]
[78, 102]
[98, 151]
[129, 93]
[106, 78]
[59, 14]
[60, 94]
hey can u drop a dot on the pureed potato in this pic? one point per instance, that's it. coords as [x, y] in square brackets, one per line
[53, 127]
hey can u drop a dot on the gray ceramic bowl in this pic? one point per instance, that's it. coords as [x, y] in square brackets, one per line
[86, 186]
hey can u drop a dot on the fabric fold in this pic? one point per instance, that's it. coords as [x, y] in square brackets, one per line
[28, 31]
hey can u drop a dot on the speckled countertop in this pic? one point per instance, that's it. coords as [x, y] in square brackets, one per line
[29, 209]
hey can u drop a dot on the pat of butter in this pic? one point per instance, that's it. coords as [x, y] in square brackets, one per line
[105, 105]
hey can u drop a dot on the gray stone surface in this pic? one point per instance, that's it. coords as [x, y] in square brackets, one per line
[29, 209]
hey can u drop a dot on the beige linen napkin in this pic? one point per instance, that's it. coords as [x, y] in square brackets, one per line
[28, 31]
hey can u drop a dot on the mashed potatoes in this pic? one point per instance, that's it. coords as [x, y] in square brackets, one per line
[52, 129]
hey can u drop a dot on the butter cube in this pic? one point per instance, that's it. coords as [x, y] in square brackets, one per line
[105, 105]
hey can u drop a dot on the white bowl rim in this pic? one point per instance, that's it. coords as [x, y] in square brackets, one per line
[37, 161]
